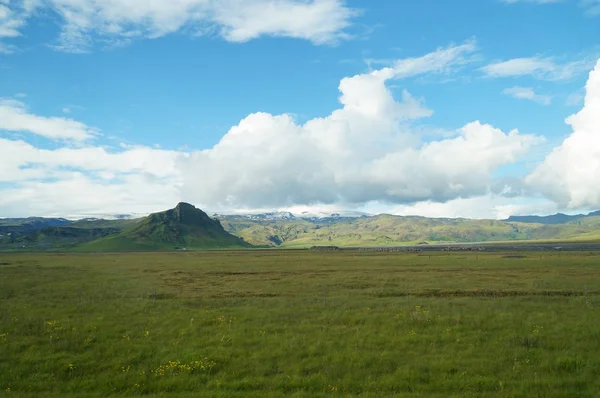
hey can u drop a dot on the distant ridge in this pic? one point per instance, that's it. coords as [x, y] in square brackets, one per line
[184, 227]
[558, 218]
[188, 228]
[29, 224]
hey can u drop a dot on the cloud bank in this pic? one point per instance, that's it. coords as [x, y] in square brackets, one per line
[370, 149]
[569, 174]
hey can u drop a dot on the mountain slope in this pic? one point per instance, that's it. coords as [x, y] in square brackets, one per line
[558, 218]
[184, 227]
[187, 227]
[388, 230]
[22, 226]
[61, 236]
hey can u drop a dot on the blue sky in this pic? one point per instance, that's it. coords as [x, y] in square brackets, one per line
[121, 106]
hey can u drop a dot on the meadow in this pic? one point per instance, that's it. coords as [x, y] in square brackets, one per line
[300, 323]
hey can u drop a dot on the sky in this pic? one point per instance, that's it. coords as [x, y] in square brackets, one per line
[464, 108]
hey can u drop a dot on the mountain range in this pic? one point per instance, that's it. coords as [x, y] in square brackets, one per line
[558, 218]
[181, 228]
[188, 228]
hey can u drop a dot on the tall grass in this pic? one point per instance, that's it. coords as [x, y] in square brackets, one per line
[300, 323]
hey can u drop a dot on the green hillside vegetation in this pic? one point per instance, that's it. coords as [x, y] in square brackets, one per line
[62, 237]
[116, 224]
[388, 230]
[20, 226]
[184, 227]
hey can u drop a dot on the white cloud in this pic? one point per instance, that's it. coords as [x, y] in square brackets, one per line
[569, 174]
[528, 93]
[361, 152]
[443, 60]
[367, 150]
[86, 181]
[10, 22]
[320, 21]
[22, 161]
[117, 22]
[14, 116]
[543, 68]
[488, 206]
[84, 196]
[13, 16]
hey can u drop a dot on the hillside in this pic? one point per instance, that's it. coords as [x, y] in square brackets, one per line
[21, 226]
[184, 227]
[389, 230]
[558, 218]
[61, 236]
[190, 228]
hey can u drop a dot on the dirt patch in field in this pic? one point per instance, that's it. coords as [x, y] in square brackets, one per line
[244, 294]
[482, 293]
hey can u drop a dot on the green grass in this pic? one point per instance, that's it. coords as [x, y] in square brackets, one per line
[299, 323]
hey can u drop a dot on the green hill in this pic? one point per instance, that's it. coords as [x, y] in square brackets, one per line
[388, 230]
[61, 237]
[22, 226]
[184, 227]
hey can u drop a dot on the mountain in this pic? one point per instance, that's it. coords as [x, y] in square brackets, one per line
[286, 215]
[389, 230]
[558, 218]
[23, 226]
[188, 227]
[331, 217]
[184, 227]
[61, 235]
[271, 216]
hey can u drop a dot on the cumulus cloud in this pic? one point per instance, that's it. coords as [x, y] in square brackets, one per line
[14, 116]
[528, 93]
[569, 174]
[22, 161]
[488, 206]
[367, 150]
[79, 195]
[116, 22]
[86, 180]
[361, 152]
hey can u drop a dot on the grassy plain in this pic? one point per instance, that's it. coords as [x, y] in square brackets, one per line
[300, 323]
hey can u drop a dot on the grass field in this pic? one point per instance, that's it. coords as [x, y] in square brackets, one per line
[300, 323]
